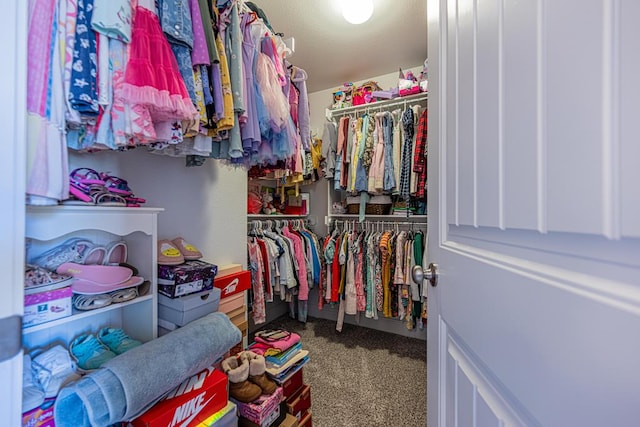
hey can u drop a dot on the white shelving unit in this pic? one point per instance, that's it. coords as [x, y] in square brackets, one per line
[385, 105]
[415, 222]
[49, 226]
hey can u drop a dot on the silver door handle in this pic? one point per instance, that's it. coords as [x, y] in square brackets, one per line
[430, 274]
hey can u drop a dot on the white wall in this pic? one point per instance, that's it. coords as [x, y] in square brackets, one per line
[205, 204]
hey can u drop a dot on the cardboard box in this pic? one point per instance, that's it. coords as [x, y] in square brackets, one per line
[184, 279]
[262, 408]
[42, 416]
[236, 313]
[289, 421]
[226, 417]
[227, 305]
[232, 284]
[244, 327]
[47, 306]
[188, 308]
[189, 404]
[226, 269]
[300, 401]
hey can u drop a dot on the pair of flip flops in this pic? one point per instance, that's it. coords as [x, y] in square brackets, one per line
[86, 302]
[176, 251]
[89, 187]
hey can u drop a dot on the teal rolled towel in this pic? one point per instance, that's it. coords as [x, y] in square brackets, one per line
[130, 383]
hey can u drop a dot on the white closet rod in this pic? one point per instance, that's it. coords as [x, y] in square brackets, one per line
[378, 105]
[337, 222]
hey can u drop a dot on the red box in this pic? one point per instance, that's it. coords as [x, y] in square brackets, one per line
[291, 383]
[233, 283]
[189, 404]
[300, 401]
[260, 409]
[305, 420]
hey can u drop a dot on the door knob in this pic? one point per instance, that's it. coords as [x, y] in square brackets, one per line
[430, 274]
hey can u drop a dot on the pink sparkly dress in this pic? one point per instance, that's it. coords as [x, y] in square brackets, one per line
[152, 78]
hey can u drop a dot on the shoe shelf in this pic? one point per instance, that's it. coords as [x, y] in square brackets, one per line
[48, 226]
[78, 315]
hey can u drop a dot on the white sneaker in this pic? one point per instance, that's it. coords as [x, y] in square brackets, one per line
[54, 369]
[32, 394]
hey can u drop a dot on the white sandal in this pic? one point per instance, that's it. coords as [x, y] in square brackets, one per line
[123, 295]
[91, 302]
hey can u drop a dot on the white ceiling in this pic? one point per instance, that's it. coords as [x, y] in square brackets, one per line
[332, 51]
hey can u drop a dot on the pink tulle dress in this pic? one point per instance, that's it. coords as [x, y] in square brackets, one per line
[152, 77]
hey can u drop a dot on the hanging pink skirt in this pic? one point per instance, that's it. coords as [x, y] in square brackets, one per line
[152, 77]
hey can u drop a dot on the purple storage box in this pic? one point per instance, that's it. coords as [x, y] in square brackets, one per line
[187, 278]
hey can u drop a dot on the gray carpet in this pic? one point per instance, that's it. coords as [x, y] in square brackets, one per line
[362, 377]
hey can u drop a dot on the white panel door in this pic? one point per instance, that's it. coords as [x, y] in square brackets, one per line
[12, 178]
[534, 217]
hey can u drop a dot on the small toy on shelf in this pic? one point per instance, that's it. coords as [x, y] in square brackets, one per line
[342, 97]
[267, 203]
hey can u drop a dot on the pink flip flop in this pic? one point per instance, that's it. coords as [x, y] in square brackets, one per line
[87, 287]
[99, 274]
[116, 185]
[86, 176]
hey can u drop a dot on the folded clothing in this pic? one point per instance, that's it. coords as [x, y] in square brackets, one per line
[132, 382]
[279, 339]
[294, 363]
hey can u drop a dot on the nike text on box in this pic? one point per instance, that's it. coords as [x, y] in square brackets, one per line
[191, 403]
[231, 284]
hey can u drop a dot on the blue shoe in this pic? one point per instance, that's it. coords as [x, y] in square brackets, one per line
[116, 340]
[89, 353]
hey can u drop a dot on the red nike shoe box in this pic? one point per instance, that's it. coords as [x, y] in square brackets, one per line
[191, 403]
[232, 284]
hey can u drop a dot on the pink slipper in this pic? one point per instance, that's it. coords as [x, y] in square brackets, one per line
[168, 253]
[94, 255]
[101, 274]
[187, 250]
[87, 287]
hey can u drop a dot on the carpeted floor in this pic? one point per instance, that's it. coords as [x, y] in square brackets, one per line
[362, 377]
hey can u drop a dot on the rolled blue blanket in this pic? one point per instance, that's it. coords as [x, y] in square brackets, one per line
[130, 383]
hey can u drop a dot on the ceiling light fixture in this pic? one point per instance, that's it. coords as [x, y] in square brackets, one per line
[357, 11]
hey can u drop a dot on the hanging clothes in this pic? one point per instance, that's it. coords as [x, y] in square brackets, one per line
[369, 271]
[288, 256]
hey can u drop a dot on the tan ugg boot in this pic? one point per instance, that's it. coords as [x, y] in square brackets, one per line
[237, 369]
[257, 375]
